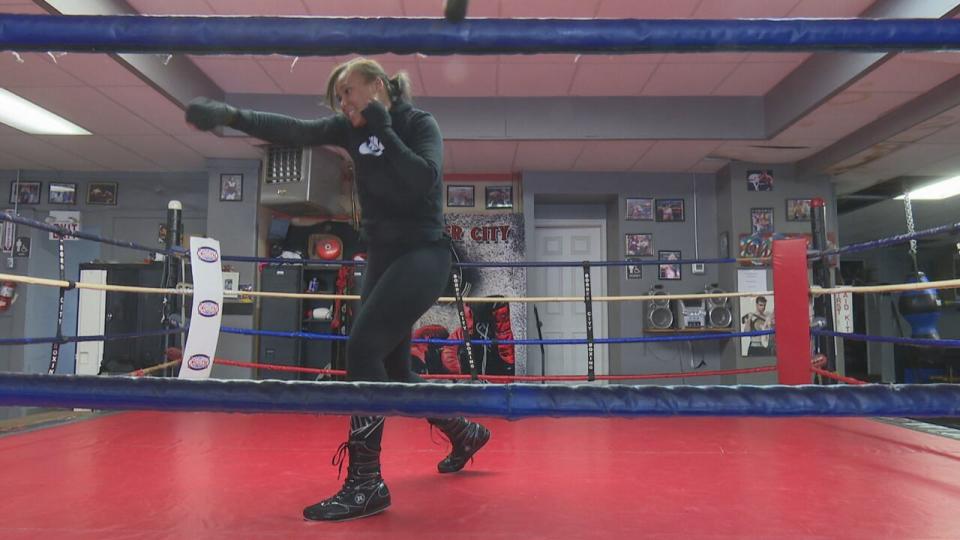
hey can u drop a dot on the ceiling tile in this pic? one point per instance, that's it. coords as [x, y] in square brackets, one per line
[610, 79]
[906, 73]
[483, 156]
[687, 79]
[167, 151]
[258, 7]
[91, 110]
[43, 153]
[36, 69]
[830, 8]
[634, 9]
[534, 79]
[171, 7]
[762, 152]
[237, 74]
[743, 9]
[547, 155]
[98, 70]
[538, 58]
[845, 113]
[212, 146]
[151, 107]
[554, 9]
[667, 156]
[104, 153]
[21, 7]
[434, 8]
[778, 58]
[611, 155]
[620, 59]
[307, 76]
[753, 79]
[704, 58]
[458, 79]
[353, 8]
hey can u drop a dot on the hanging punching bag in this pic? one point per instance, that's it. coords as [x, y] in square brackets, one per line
[921, 308]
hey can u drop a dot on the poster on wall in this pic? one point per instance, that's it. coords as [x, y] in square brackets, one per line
[756, 313]
[760, 246]
[480, 238]
[67, 219]
[760, 180]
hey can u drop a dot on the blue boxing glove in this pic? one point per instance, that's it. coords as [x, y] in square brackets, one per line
[206, 114]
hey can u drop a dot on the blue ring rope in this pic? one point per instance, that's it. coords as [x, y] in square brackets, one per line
[7, 216]
[304, 36]
[20, 220]
[509, 401]
[934, 343]
[77, 339]
[514, 264]
[650, 339]
[884, 242]
[337, 337]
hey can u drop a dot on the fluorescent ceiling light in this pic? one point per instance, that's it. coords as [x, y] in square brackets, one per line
[936, 191]
[21, 114]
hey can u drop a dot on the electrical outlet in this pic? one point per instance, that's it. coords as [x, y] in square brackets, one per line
[699, 268]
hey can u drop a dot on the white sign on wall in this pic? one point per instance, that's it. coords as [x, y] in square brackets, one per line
[842, 312]
[69, 220]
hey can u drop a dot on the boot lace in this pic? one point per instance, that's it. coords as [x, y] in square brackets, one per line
[340, 457]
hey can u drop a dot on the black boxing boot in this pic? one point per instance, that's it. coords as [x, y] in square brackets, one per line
[363, 493]
[466, 438]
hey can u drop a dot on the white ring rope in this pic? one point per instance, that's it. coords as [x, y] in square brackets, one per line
[815, 291]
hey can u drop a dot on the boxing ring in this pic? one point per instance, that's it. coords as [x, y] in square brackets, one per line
[168, 459]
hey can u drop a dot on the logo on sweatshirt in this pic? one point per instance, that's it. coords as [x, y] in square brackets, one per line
[372, 146]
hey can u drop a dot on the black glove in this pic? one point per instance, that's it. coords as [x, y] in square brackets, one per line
[206, 114]
[377, 116]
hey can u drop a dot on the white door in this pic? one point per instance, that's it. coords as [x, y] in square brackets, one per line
[90, 322]
[568, 240]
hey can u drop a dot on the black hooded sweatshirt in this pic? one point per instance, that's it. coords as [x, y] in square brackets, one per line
[398, 160]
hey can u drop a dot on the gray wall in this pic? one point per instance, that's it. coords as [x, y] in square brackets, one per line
[723, 205]
[234, 224]
[553, 195]
[936, 258]
[735, 203]
[141, 207]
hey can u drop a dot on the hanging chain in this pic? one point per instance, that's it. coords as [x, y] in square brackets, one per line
[911, 228]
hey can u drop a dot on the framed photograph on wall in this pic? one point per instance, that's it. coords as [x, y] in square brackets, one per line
[639, 244]
[103, 193]
[761, 220]
[24, 192]
[760, 180]
[670, 271]
[634, 271]
[499, 197]
[639, 209]
[798, 209]
[461, 196]
[62, 193]
[231, 187]
[670, 210]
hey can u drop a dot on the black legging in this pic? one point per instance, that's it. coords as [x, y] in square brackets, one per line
[400, 284]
